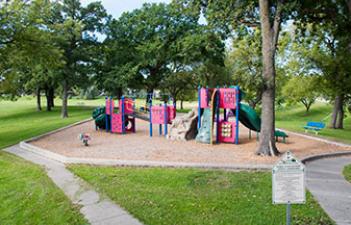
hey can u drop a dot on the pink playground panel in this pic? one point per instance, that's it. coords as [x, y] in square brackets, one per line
[171, 113]
[204, 98]
[128, 106]
[158, 114]
[227, 131]
[227, 98]
[116, 124]
[109, 104]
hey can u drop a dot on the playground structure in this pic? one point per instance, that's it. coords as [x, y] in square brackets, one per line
[210, 102]
[211, 127]
[162, 114]
[123, 120]
[205, 124]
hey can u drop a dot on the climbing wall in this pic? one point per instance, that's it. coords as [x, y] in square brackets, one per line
[204, 133]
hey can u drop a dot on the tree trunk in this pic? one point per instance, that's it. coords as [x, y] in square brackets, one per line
[52, 96]
[149, 95]
[307, 104]
[38, 99]
[119, 93]
[270, 34]
[181, 104]
[48, 103]
[341, 113]
[252, 104]
[336, 108]
[175, 102]
[64, 111]
[340, 120]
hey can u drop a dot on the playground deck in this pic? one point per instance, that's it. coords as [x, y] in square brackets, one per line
[139, 146]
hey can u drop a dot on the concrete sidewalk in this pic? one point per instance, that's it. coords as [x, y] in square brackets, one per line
[97, 210]
[327, 184]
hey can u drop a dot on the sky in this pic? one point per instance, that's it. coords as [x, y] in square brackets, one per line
[117, 7]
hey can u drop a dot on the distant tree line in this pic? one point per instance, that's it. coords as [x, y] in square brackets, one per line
[56, 47]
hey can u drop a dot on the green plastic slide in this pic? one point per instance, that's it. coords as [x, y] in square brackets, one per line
[249, 118]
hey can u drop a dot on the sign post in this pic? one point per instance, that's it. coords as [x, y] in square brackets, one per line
[288, 207]
[288, 183]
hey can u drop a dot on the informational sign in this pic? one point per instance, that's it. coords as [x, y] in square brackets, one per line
[288, 179]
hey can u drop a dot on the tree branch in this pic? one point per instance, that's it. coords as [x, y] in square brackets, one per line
[276, 23]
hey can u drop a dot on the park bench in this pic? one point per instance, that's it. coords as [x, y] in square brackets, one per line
[279, 133]
[314, 126]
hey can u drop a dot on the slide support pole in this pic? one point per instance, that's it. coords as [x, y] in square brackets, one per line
[123, 114]
[111, 112]
[166, 118]
[237, 96]
[134, 111]
[217, 115]
[199, 107]
[106, 116]
[150, 107]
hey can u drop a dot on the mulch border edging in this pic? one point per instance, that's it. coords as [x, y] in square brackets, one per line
[323, 155]
[56, 131]
[137, 163]
[143, 163]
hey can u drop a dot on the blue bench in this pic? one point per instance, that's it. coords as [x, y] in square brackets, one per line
[314, 126]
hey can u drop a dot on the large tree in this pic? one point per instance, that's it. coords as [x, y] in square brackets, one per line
[154, 45]
[227, 16]
[302, 89]
[27, 49]
[328, 25]
[244, 62]
[77, 27]
[148, 35]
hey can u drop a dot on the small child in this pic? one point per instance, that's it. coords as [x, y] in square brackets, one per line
[84, 137]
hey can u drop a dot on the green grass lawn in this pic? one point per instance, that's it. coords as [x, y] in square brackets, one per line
[19, 120]
[28, 196]
[347, 173]
[294, 118]
[192, 196]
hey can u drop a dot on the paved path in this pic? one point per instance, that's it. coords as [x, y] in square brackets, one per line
[327, 184]
[97, 210]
